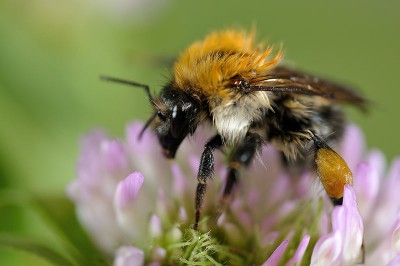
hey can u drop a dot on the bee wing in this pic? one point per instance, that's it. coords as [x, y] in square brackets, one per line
[283, 79]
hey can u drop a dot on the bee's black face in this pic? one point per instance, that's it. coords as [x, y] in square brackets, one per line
[169, 144]
[177, 121]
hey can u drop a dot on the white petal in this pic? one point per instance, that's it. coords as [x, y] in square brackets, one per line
[328, 250]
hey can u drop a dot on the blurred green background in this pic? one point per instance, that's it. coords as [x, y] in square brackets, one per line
[52, 53]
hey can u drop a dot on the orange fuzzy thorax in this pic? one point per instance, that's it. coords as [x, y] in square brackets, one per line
[205, 67]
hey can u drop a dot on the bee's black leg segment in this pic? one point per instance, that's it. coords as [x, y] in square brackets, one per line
[231, 181]
[242, 156]
[200, 192]
[337, 202]
[206, 169]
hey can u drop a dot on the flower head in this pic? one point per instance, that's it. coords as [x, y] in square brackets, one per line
[139, 207]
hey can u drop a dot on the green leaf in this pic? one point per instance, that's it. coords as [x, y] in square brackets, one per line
[31, 246]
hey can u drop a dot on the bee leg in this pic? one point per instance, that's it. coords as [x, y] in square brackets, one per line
[206, 170]
[332, 170]
[334, 174]
[242, 156]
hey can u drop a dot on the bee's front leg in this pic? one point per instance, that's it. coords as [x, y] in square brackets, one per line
[206, 170]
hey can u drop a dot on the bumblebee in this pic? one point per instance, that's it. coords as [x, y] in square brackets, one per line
[251, 99]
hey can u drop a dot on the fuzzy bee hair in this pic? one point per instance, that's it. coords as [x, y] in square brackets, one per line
[251, 99]
[206, 68]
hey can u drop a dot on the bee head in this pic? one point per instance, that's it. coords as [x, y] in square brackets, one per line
[176, 114]
[176, 117]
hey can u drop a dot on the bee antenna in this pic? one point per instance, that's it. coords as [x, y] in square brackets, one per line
[147, 125]
[130, 83]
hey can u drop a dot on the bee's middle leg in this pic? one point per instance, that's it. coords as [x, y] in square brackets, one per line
[242, 156]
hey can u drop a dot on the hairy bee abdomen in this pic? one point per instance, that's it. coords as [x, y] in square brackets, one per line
[295, 119]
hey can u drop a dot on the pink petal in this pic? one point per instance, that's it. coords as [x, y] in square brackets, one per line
[344, 244]
[128, 189]
[162, 203]
[155, 226]
[253, 197]
[349, 198]
[158, 254]
[268, 223]
[129, 256]
[269, 238]
[377, 160]
[277, 255]
[279, 188]
[386, 206]
[147, 142]
[301, 249]
[394, 171]
[367, 183]
[89, 167]
[194, 162]
[353, 227]
[179, 183]
[144, 152]
[393, 182]
[352, 146]
[195, 144]
[395, 261]
[396, 239]
[115, 157]
[265, 169]
[338, 219]
[388, 247]
[183, 216]
[91, 142]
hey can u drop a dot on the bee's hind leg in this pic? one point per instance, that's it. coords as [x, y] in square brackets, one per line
[332, 170]
[334, 174]
[241, 156]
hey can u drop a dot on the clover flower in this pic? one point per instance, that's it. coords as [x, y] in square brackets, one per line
[139, 208]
